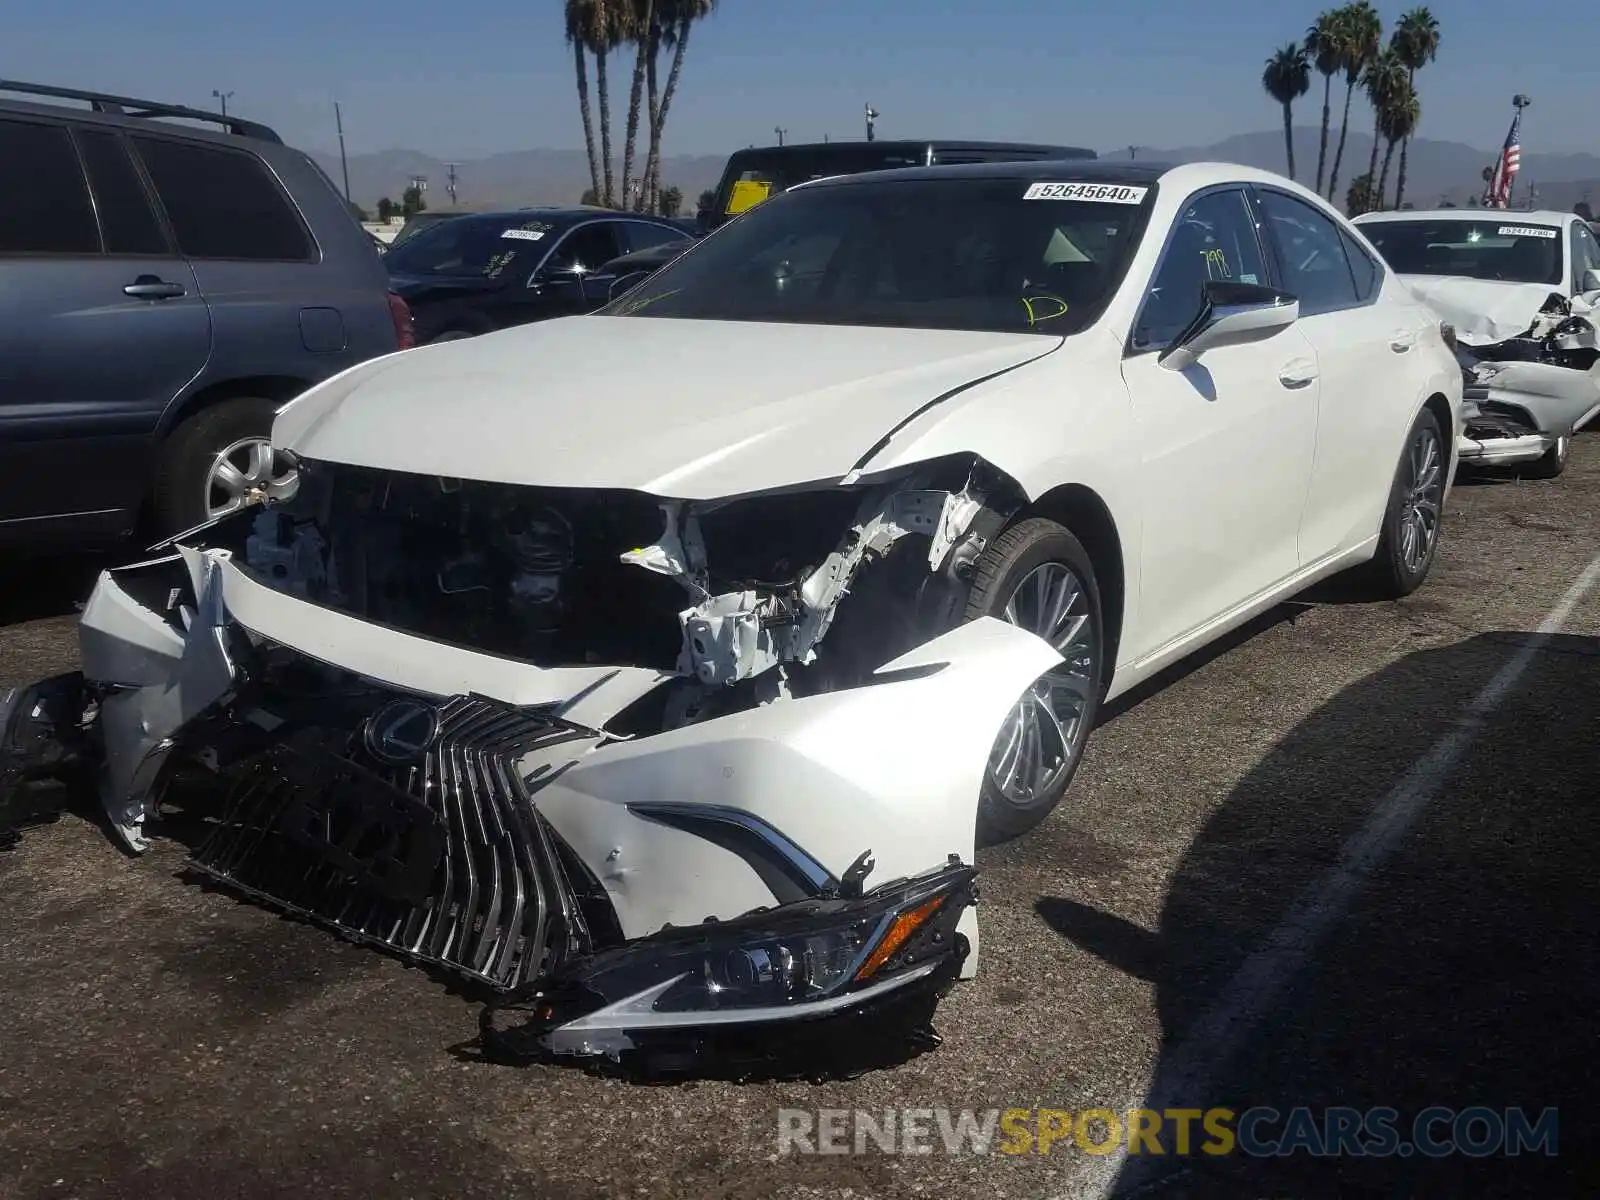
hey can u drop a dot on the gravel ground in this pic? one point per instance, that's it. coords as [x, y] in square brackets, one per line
[1349, 858]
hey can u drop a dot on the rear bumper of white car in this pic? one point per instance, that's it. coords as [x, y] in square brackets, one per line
[796, 865]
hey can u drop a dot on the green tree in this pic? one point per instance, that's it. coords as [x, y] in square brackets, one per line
[1384, 79]
[1359, 198]
[1399, 117]
[387, 209]
[593, 26]
[1416, 44]
[707, 201]
[1287, 77]
[589, 197]
[676, 18]
[1323, 49]
[635, 21]
[1360, 33]
[671, 201]
[412, 201]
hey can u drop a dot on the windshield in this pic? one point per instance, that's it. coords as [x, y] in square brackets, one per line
[471, 247]
[1498, 248]
[918, 254]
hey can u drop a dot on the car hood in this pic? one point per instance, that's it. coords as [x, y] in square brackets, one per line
[1483, 311]
[688, 409]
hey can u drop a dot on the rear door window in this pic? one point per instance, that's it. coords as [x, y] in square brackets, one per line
[44, 199]
[224, 204]
[127, 221]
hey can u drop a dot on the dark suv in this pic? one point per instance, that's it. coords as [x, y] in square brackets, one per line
[164, 289]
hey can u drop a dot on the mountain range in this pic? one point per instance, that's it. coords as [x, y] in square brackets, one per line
[1436, 171]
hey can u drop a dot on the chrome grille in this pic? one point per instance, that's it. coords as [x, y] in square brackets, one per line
[447, 862]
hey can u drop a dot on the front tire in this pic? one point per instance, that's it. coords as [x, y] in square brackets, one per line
[1414, 516]
[1037, 575]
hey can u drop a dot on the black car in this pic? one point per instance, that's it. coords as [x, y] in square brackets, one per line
[481, 272]
[761, 172]
[169, 278]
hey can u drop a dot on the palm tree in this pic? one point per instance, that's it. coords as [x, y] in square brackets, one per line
[1416, 44]
[1398, 118]
[580, 16]
[635, 18]
[1383, 80]
[1360, 31]
[677, 18]
[1323, 49]
[1287, 77]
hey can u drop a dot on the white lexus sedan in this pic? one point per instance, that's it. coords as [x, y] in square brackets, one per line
[662, 669]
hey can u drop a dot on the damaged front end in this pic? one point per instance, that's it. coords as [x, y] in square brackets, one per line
[626, 762]
[1524, 396]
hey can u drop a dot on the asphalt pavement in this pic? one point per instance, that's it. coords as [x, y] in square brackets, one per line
[1351, 858]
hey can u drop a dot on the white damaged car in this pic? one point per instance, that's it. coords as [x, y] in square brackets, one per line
[663, 669]
[1519, 290]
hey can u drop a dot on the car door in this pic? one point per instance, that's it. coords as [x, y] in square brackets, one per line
[101, 325]
[276, 310]
[569, 281]
[1227, 442]
[1366, 338]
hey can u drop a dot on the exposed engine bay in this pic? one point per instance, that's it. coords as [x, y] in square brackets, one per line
[1524, 393]
[735, 597]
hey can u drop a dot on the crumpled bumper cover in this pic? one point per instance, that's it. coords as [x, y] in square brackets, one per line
[696, 899]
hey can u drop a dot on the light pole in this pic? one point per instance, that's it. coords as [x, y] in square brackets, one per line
[344, 163]
[872, 117]
[780, 131]
[450, 181]
[223, 98]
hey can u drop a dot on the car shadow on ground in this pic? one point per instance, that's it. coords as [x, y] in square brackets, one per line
[1460, 969]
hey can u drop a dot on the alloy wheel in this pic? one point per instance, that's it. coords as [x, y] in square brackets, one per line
[245, 473]
[1044, 734]
[1424, 490]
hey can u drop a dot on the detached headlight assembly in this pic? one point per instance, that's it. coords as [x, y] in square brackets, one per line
[805, 960]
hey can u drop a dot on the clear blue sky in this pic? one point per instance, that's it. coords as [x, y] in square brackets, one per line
[464, 79]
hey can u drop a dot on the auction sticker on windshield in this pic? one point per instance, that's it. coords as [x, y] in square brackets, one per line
[525, 235]
[1097, 193]
[1543, 231]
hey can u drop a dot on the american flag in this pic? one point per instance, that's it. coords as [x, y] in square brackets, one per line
[1498, 194]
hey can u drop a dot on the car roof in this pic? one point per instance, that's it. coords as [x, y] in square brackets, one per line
[127, 112]
[555, 213]
[1182, 177]
[1541, 215]
[909, 144]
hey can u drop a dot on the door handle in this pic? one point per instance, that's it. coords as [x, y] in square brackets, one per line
[153, 287]
[1402, 341]
[1298, 374]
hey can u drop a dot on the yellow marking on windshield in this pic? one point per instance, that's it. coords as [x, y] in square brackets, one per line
[1034, 317]
[627, 308]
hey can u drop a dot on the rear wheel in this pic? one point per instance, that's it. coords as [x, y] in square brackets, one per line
[217, 461]
[1413, 518]
[1037, 576]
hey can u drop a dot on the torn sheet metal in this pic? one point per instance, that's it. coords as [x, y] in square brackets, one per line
[141, 711]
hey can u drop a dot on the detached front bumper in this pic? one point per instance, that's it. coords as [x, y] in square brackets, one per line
[713, 890]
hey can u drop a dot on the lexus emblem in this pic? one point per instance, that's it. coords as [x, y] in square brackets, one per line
[401, 731]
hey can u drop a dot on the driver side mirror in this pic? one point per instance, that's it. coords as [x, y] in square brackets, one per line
[1231, 314]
